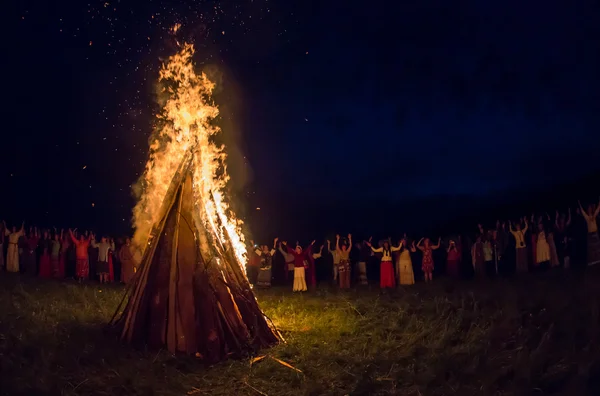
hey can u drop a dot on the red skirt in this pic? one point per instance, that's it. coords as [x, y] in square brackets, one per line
[452, 268]
[45, 266]
[387, 277]
[82, 268]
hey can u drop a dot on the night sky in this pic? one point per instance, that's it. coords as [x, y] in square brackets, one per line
[341, 114]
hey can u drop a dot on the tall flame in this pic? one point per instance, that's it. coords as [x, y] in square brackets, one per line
[185, 126]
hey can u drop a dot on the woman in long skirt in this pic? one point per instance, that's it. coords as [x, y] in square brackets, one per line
[344, 266]
[12, 256]
[127, 262]
[542, 250]
[453, 260]
[478, 257]
[521, 246]
[404, 267]
[427, 264]
[266, 263]
[387, 279]
[299, 268]
[593, 241]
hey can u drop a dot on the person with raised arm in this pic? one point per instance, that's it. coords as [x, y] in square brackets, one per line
[82, 265]
[299, 269]
[478, 257]
[453, 260]
[561, 226]
[336, 261]
[427, 264]
[266, 263]
[289, 263]
[387, 278]
[103, 268]
[312, 268]
[404, 267]
[344, 267]
[593, 241]
[520, 245]
[12, 255]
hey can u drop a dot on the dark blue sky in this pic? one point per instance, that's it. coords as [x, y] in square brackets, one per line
[334, 105]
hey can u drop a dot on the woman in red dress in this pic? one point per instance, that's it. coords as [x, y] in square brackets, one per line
[453, 260]
[427, 264]
[387, 278]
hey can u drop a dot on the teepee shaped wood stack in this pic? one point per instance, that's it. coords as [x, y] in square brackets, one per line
[189, 293]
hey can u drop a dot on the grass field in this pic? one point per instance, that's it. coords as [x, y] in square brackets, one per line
[535, 335]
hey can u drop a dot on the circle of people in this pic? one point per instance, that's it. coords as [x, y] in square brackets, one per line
[518, 246]
[53, 254]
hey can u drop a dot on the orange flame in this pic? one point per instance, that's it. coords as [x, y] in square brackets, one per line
[186, 126]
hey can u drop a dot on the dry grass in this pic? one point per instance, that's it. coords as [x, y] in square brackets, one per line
[536, 335]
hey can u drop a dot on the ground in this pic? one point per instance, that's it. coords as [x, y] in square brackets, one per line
[534, 335]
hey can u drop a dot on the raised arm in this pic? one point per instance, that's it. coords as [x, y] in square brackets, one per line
[72, 237]
[438, 244]
[376, 250]
[597, 210]
[397, 248]
[308, 249]
[349, 242]
[526, 227]
[275, 243]
[413, 248]
[337, 242]
[282, 250]
[419, 244]
[329, 246]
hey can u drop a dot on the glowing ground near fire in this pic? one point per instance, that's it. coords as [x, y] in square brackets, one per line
[504, 338]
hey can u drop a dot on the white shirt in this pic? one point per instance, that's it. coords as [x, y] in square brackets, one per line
[387, 255]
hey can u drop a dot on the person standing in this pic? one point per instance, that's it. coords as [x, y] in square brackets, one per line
[427, 264]
[299, 269]
[82, 266]
[336, 261]
[103, 266]
[343, 252]
[12, 256]
[593, 241]
[127, 262]
[387, 278]
[520, 245]
[266, 263]
[406, 275]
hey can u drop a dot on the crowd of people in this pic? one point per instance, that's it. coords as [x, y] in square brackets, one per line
[533, 243]
[49, 253]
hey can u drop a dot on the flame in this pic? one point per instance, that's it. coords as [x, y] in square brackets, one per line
[185, 125]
